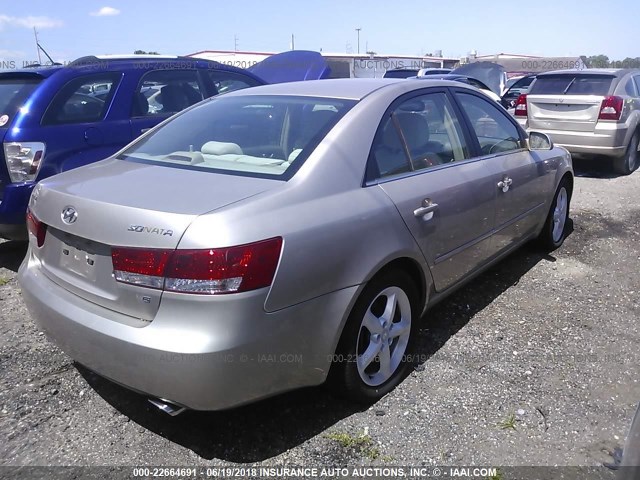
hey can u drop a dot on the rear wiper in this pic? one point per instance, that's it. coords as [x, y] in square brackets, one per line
[569, 86]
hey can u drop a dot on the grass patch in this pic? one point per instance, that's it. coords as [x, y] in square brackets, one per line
[497, 476]
[508, 423]
[361, 444]
[4, 281]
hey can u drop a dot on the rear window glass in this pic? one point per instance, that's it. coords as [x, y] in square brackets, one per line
[14, 92]
[572, 85]
[261, 136]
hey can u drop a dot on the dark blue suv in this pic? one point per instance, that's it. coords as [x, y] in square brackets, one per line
[57, 118]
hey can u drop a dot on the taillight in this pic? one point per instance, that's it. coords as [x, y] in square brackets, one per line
[36, 228]
[23, 160]
[521, 106]
[140, 266]
[611, 108]
[208, 271]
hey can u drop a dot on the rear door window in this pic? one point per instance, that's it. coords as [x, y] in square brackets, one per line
[421, 132]
[229, 81]
[572, 84]
[165, 92]
[82, 100]
[14, 92]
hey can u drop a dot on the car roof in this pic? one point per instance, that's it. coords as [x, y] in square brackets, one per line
[616, 72]
[98, 63]
[345, 88]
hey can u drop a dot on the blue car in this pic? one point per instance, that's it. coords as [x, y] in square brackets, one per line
[57, 118]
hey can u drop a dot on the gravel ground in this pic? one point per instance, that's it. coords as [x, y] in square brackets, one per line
[533, 363]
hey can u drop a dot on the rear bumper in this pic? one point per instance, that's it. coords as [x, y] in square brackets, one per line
[200, 352]
[609, 139]
[13, 205]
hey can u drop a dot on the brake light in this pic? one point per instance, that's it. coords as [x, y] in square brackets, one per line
[208, 271]
[521, 106]
[611, 108]
[36, 228]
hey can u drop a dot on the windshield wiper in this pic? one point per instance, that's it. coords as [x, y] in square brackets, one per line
[569, 86]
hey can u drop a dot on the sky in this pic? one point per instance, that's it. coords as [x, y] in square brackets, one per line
[70, 29]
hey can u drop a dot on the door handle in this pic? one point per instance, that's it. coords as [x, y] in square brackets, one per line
[427, 208]
[505, 183]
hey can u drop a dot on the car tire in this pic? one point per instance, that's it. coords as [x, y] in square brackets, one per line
[374, 352]
[556, 225]
[630, 464]
[626, 164]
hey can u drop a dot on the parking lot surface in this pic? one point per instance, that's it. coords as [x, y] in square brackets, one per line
[535, 362]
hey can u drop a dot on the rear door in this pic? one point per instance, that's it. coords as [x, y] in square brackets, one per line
[567, 101]
[518, 178]
[79, 127]
[162, 93]
[422, 161]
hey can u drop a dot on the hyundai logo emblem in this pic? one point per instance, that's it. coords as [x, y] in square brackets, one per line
[69, 215]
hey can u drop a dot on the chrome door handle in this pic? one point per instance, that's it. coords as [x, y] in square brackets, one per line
[505, 183]
[427, 208]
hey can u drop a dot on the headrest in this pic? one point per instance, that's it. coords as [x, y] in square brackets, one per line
[221, 148]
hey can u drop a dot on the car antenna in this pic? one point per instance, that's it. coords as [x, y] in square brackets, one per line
[41, 48]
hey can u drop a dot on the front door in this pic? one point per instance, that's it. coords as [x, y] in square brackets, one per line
[518, 176]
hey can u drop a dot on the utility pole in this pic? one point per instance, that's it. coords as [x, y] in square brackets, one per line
[293, 42]
[35, 34]
[358, 30]
[235, 42]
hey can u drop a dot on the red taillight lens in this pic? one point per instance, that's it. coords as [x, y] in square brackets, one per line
[611, 108]
[140, 266]
[36, 227]
[210, 271]
[521, 106]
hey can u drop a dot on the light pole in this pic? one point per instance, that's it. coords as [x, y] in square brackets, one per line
[358, 30]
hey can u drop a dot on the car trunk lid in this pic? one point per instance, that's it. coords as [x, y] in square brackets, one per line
[121, 203]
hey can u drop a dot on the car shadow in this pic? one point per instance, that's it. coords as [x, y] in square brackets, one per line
[11, 254]
[270, 427]
[594, 167]
[242, 435]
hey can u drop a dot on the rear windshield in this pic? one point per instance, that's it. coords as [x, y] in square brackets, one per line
[250, 135]
[579, 84]
[14, 92]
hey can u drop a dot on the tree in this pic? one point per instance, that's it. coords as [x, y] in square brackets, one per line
[598, 61]
[142, 52]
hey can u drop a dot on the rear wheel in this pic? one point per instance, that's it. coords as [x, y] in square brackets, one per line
[555, 227]
[372, 356]
[626, 164]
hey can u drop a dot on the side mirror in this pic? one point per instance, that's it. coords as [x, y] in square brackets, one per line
[539, 141]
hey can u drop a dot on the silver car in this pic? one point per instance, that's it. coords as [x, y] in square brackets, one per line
[271, 238]
[589, 112]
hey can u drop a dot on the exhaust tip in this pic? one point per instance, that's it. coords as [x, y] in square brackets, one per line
[166, 406]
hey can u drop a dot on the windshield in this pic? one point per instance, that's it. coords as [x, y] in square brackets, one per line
[13, 93]
[571, 84]
[251, 135]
